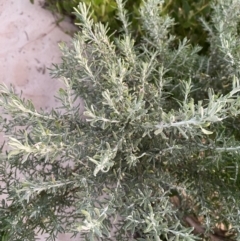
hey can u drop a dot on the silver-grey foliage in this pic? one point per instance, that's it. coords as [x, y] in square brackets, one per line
[160, 124]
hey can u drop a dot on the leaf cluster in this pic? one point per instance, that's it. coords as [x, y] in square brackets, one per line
[156, 128]
[186, 14]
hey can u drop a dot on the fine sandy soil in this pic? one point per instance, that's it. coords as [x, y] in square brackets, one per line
[29, 41]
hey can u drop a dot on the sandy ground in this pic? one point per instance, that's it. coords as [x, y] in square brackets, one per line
[29, 41]
[29, 45]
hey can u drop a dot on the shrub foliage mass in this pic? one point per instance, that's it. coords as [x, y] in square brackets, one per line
[155, 154]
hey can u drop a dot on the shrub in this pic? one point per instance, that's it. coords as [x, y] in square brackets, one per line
[155, 149]
[186, 14]
[104, 11]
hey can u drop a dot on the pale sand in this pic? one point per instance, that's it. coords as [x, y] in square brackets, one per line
[29, 45]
